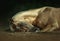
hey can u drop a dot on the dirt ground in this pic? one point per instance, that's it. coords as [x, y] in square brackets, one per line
[28, 36]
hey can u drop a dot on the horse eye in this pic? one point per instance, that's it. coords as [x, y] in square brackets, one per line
[21, 24]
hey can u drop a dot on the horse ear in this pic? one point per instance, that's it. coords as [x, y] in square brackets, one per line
[47, 9]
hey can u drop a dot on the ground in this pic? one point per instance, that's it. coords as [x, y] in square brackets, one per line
[28, 36]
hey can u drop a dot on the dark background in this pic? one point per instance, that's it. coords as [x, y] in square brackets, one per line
[8, 8]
